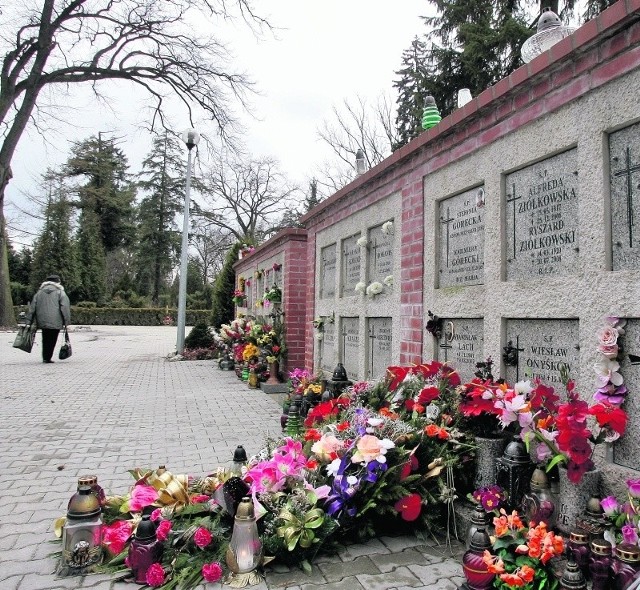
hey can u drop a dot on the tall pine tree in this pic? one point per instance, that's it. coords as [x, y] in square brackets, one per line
[91, 258]
[223, 308]
[163, 182]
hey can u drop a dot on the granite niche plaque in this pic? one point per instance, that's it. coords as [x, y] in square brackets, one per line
[350, 265]
[542, 219]
[539, 348]
[379, 332]
[461, 243]
[380, 262]
[624, 152]
[350, 335]
[328, 347]
[462, 345]
[625, 449]
[328, 272]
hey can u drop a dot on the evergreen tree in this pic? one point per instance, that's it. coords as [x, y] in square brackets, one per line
[91, 258]
[223, 309]
[107, 191]
[54, 250]
[163, 182]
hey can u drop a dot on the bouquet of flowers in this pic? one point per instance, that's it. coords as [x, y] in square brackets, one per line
[521, 554]
[239, 297]
[623, 517]
[273, 295]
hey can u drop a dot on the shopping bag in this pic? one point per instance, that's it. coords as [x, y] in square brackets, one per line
[25, 337]
[65, 349]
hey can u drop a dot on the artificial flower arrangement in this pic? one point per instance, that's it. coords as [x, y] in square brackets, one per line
[611, 387]
[360, 287]
[239, 297]
[387, 227]
[565, 433]
[434, 325]
[374, 289]
[362, 241]
[623, 517]
[273, 295]
[521, 554]
[388, 281]
[492, 498]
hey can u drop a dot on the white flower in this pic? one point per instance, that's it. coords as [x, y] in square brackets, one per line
[362, 242]
[319, 336]
[375, 421]
[332, 468]
[374, 289]
[387, 228]
[360, 287]
[352, 480]
[388, 280]
[607, 370]
[523, 387]
[432, 411]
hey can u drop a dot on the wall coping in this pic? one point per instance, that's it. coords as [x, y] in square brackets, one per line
[288, 234]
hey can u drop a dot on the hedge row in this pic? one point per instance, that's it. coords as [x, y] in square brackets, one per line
[127, 316]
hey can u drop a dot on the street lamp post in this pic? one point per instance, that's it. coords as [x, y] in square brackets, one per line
[191, 139]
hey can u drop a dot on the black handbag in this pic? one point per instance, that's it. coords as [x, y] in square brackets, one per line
[25, 337]
[65, 349]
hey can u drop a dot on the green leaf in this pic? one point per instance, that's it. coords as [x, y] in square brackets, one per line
[557, 459]
[306, 566]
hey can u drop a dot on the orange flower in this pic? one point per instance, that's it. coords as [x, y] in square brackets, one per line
[544, 423]
[513, 580]
[418, 408]
[431, 430]
[494, 564]
[527, 573]
[387, 413]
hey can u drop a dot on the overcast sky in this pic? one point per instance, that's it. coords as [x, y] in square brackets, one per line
[323, 53]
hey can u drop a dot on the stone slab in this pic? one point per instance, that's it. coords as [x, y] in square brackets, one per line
[328, 260]
[462, 345]
[542, 219]
[624, 154]
[328, 347]
[351, 262]
[625, 450]
[350, 346]
[379, 346]
[544, 346]
[461, 239]
[380, 255]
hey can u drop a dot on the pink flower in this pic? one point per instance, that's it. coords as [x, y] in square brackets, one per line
[162, 532]
[326, 448]
[634, 487]
[629, 534]
[156, 514]
[141, 496]
[610, 351]
[200, 499]
[370, 447]
[116, 535]
[202, 537]
[211, 572]
[155, 575]
[609, 505]
[608, 336]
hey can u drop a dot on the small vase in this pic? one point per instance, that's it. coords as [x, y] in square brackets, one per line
[274, 368]
[573, 497]
[487, 452]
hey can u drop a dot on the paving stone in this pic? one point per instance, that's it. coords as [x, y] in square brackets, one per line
[337, 571]
[388, 563]
[350, 552]
[437, 571]
[401, 576]
[400, 543]
[346, 584]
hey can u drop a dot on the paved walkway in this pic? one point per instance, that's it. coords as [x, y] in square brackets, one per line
[118, 404]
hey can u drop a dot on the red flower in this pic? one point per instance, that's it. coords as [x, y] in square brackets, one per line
[610, 416]
[409, 404]
[408, 467]
[343, 426]
[162, 532]
[200, 499]
[155, 575]
[211, 572]
[202, 537]
[311, 464]
[116, 535]
[428, 394]
[428, 370]
[575, 471]
[396, 376]
[409, 507]
[451, 375]
[312, 434]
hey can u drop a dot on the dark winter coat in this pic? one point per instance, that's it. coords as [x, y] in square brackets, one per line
[50, 307]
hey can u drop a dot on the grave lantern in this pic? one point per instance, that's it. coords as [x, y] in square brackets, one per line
[245, 548]
[239, 460]
[144, 550]
[592, 521]
[82, 532]
[480, 519]
[475, 570]
[550, 30]
[513, 471]
[431, 115]
[361, 164]
[539, 505]
[338, 382]
[226, 363]
[572, 578]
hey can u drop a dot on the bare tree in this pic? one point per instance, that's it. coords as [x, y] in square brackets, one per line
[356, 126]
[146, 42]
[245, 196]
[211, 245]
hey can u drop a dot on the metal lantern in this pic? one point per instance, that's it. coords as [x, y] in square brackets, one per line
[82, 532]
[339, 381]
[244, 554]
[513, 471]
[572, 578]
[239, 460]
[226, 363]
[539, 505]
[479, 520]
[145, 549]
[593, 520]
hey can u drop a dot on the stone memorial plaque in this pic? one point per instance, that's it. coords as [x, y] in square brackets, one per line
[462, 345]
[249, 290]
[538, 348]
[328, 347]
[542, 219]
[461, 244]
[625, 449]
[379, 332]
[350, 265]
[350, 335]
[624, 152]
[328, 272]
[380, 262]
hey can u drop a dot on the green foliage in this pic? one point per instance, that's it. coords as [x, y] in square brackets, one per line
[91, 258]
[199, 337]
[21, 294]
[223, 310]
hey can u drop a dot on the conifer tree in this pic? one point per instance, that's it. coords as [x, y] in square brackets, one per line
[91, 258]
[163, 182]
[223, 309]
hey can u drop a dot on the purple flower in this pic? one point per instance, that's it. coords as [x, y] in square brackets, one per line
[629, 534]
[634, 487]
[610, 505]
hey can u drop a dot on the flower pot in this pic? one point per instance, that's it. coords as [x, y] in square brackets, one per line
[487, 453]
[573, 497]
[274, 368]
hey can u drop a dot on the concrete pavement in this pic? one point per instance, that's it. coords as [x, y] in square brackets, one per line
[118, 404]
